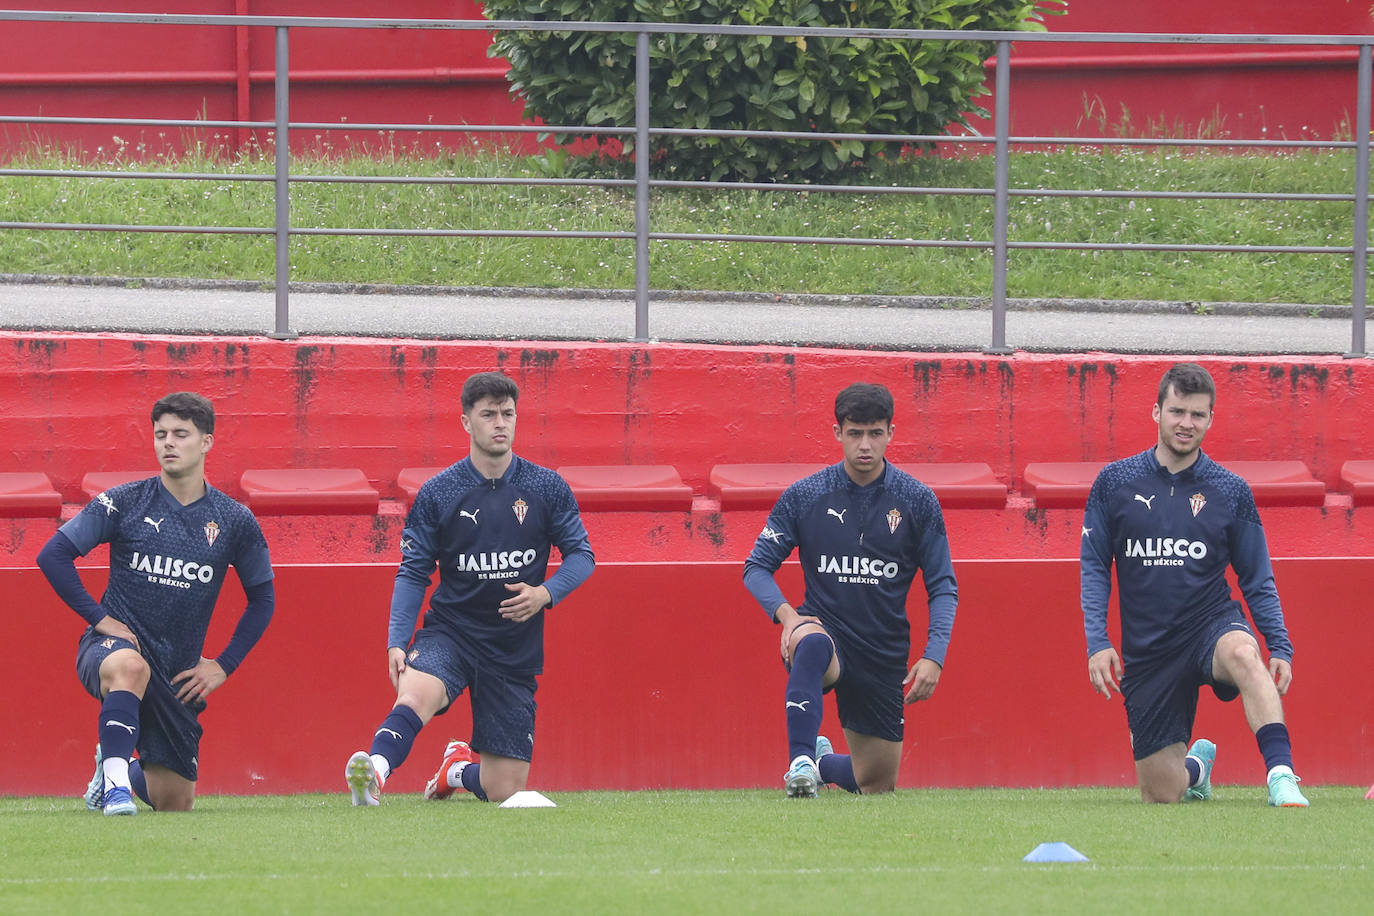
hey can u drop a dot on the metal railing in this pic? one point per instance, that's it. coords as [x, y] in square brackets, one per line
[1001, 140]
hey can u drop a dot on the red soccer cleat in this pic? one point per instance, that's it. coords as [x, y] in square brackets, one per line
[438, 789]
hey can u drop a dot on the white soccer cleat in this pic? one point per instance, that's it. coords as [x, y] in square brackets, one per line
[363, 780]
[95, 789]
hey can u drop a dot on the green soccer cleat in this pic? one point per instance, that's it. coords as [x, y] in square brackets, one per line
[1283, 789]
[1206, 752]
[802, 778]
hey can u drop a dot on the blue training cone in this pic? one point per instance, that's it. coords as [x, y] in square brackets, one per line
[1054, 852]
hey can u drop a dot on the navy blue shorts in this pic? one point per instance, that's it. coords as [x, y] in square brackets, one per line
[168, 729]
[502, 703]
[870, 699]
[1161, 697]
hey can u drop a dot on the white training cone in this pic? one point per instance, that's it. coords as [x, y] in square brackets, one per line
[527, 799]
[1054, 852]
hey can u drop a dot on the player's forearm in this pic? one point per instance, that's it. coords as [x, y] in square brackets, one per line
[572, 572]
[257, 615]
[764, 588]
[1255, 575]
[406, 598]
[941, 630]
[57, 560]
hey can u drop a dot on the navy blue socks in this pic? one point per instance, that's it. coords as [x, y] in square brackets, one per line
[396, 735]
[139, 782]
[1194, 768]
[1274, 745]
[118, 730]
[838, 770]
[472, 780]
[809, 661]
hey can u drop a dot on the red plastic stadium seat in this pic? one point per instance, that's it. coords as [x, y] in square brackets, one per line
[628, 488]
[309, 491]
[411, 479]
[755, 486]
[97, 482]
[961, 485]
[1061, 484]
[28, 494]
[1359, 477]
[1280, 483]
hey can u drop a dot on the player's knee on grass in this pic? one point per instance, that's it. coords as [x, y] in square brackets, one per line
[124, 670]
[169, 791]
[1162, 776]
[503, 777]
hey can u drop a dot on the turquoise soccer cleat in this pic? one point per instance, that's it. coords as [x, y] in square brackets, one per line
[802, 778]
[1206, 752]
[823, 747]
[1283, 789]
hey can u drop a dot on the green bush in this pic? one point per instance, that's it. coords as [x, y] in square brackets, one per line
[758, 83]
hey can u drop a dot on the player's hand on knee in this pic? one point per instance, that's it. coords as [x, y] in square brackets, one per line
[1282, 673]
[195, 684]
[921, 680]
[1104, 671]
[395, 665]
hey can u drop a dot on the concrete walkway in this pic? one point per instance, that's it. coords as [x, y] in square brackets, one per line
[869, 322]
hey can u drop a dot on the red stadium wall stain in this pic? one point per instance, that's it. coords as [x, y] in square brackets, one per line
[623, 706]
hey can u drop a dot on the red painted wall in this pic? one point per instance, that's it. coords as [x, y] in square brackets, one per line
[445, 76]
[70, 404]
[78, 402]
[621, 705]
[628, 703]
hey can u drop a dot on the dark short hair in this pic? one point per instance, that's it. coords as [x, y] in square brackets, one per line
[862, 402]
[495, 385]
[1186, 379]
[187, 405]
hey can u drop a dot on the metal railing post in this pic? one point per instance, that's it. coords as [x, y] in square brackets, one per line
[282, 186]
[642, 187]
[1001, 181]
[1359, 285]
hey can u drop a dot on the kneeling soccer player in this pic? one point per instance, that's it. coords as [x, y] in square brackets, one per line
[1172, 520]
[488, 523]
[172, 539]
[863, 529]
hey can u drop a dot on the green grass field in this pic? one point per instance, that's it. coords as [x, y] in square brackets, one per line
[720, 266]
[918, 851]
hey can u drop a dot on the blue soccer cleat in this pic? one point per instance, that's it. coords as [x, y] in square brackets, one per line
[1283, 789]
[95, 791]
[119, 801]
[1205, 752]
[802, 778]
[823, 747]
